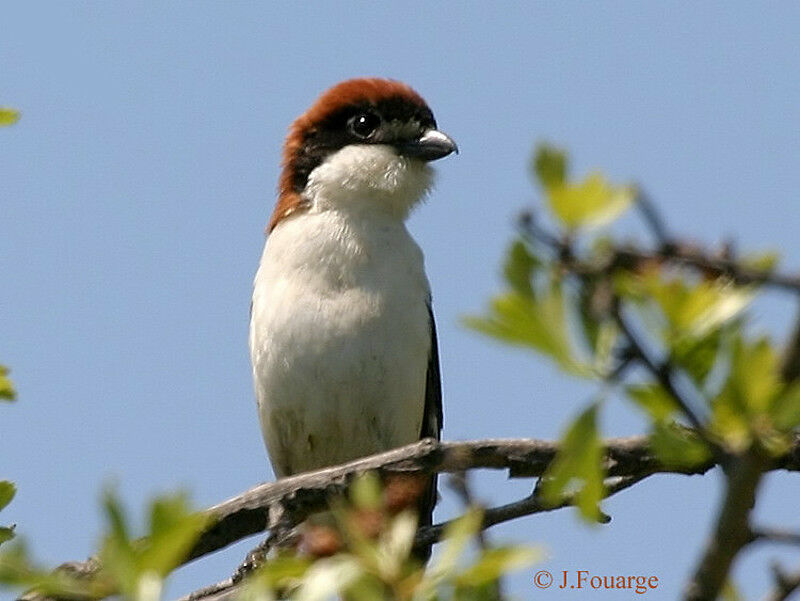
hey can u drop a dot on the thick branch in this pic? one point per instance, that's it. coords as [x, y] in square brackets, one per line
[732, 531]
[228, 589]
[300, 495]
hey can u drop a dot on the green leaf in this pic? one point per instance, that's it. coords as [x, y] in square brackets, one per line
[456, 537]
[7, 492]
[365, 492]
[8, 116]
[457, 534]
[677, 447]
[550, 165]
[18, 571]
[785, 408]
[366, 588]
[654, 400]
[495, 562]
[698, 356]
[589, 318]
[729, 419]
[519, 267]
[693, 319]
[538, 323]
[691, 310]
[755, 374]
[115, 515]
[711, 305]
[283, 573]
[116, 553]
[167, 512]
[133, 564]
[7, 392]
[749, 393]
[763, 261]
[592, 202]
[6, 534]
[174, 530]
[579, 460]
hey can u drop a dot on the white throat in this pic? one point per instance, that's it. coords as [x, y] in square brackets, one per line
[368, 179]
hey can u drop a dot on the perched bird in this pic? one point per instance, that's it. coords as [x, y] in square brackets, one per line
[342, 335]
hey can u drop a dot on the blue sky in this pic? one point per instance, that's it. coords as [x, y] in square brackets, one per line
[135, 190]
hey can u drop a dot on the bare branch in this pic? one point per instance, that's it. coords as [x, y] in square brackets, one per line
[775, 535]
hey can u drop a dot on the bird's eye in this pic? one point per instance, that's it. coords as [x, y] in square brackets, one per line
[364, 124]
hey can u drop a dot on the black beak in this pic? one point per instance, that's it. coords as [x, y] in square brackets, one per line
[430, 146]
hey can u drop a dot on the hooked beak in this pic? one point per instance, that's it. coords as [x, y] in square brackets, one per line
[432, 145]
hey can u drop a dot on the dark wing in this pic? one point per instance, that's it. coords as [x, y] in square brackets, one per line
[434, 416]
[431, 428]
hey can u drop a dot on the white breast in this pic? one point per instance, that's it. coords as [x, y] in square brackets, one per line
[339, 338]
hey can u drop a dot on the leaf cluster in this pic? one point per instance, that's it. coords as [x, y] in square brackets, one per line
[378, 563]
[133, 567]
[7, 488]
[571, 297]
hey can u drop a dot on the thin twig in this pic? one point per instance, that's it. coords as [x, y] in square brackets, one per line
[775, 535]
[785, 584]
[459, 483]
[670, 252]
[663, 372]
[653, 219]
[689, 256]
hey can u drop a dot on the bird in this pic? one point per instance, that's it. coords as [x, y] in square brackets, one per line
[342, 334]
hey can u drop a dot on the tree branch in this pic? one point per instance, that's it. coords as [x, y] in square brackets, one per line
[630, 257]
[776, 535]
[733, 531]
[785, 584]
[663, 373]
[227, 589]
[627, 459]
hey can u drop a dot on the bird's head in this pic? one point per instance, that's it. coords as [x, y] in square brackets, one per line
[364, 145]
